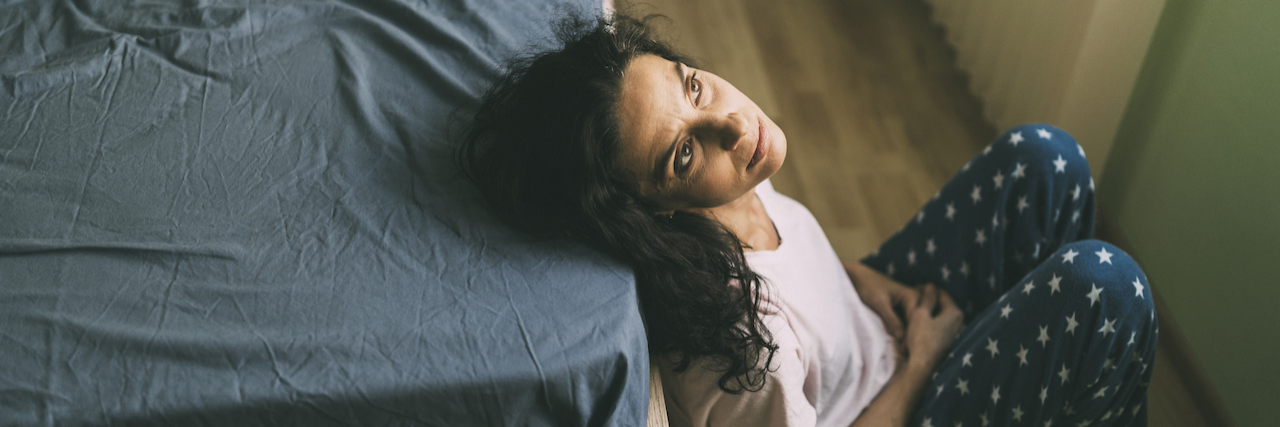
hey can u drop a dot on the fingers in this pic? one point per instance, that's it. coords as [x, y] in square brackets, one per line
[907, 297]
[949, 306]
[928, 298]
[891, 321]
[945, 300]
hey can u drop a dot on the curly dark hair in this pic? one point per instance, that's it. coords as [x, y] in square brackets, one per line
[543, 149]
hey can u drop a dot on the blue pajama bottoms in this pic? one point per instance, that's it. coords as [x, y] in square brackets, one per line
[1060, 329]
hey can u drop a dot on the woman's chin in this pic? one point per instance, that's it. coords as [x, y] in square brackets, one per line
[777, 155]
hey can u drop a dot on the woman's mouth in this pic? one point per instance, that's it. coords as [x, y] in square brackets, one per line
[762, 145]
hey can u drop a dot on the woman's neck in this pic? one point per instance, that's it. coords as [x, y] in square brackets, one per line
[747, 218]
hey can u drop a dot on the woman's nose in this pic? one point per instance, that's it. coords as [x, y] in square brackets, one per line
[730, 129]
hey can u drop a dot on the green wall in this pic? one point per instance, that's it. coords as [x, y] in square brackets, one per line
[1194, 181]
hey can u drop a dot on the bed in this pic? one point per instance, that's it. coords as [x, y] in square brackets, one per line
[246, 213]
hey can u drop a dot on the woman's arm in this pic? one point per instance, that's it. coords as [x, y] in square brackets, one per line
[931, 327]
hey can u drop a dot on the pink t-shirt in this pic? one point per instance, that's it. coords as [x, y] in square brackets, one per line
[834, 354]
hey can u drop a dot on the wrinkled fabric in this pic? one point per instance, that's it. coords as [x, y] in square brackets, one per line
[246, 213]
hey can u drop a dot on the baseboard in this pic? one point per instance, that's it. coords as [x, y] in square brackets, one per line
[1176, 351]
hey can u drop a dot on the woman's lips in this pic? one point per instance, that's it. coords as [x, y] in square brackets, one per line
[762, 145]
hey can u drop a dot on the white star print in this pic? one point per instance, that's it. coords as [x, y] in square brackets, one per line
[939, 391]
[1044, 134]
[1064, 373]
[1004, 312]
[976, 195]
[1075, 193]
[1075, 215]
[967, 360]
[1137, 286]
[995, 395]
[986, 150]
[1019, 171]
[995, 221]
[1044, 394]
[999, 179]
[1132, 335]
[964, 268]
[1080, 149]
[1136, 408]
[928, 422]
[1059, 165]
[1095, 295]
[911, 257]
[1048, 423]
[1091, 184]
[951, 211]
[959, 424]
[1029, 286]
[1044, 336]
[991, 281]
[1108, 364]
[1101, 393]
[991, 346]
[1017, 412]
[1070, 256]
[1022, 203]
[981, 238]
[966, 166]
[890, 269]
[1053, 284]
[1013, 139]
[919, 217]
[946, 273]
[930, 247]
[1082, 424]
[1022, 354]
[1108, 326]
[983, 416]
[963, 386]
[1072, 323]
[1104, 256]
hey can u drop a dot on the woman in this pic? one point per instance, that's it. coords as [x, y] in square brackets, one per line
[617, 141]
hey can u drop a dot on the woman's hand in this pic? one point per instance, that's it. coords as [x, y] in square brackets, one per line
[931, 327]
[883, 295]
[932, 324]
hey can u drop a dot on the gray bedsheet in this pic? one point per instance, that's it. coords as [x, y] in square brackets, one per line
[245, 213]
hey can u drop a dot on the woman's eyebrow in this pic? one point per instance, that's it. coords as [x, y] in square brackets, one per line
[659, 164]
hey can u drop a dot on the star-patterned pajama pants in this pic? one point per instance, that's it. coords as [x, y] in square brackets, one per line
[1061, 329]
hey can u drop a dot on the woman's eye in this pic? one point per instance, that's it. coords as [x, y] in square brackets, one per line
[685, 157]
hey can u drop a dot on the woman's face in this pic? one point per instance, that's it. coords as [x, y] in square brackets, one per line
[690, 138]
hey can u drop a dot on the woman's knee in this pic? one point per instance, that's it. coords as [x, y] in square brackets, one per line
[1105, 277]
[1044, 150]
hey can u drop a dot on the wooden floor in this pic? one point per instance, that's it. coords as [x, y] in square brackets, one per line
[876, 115]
